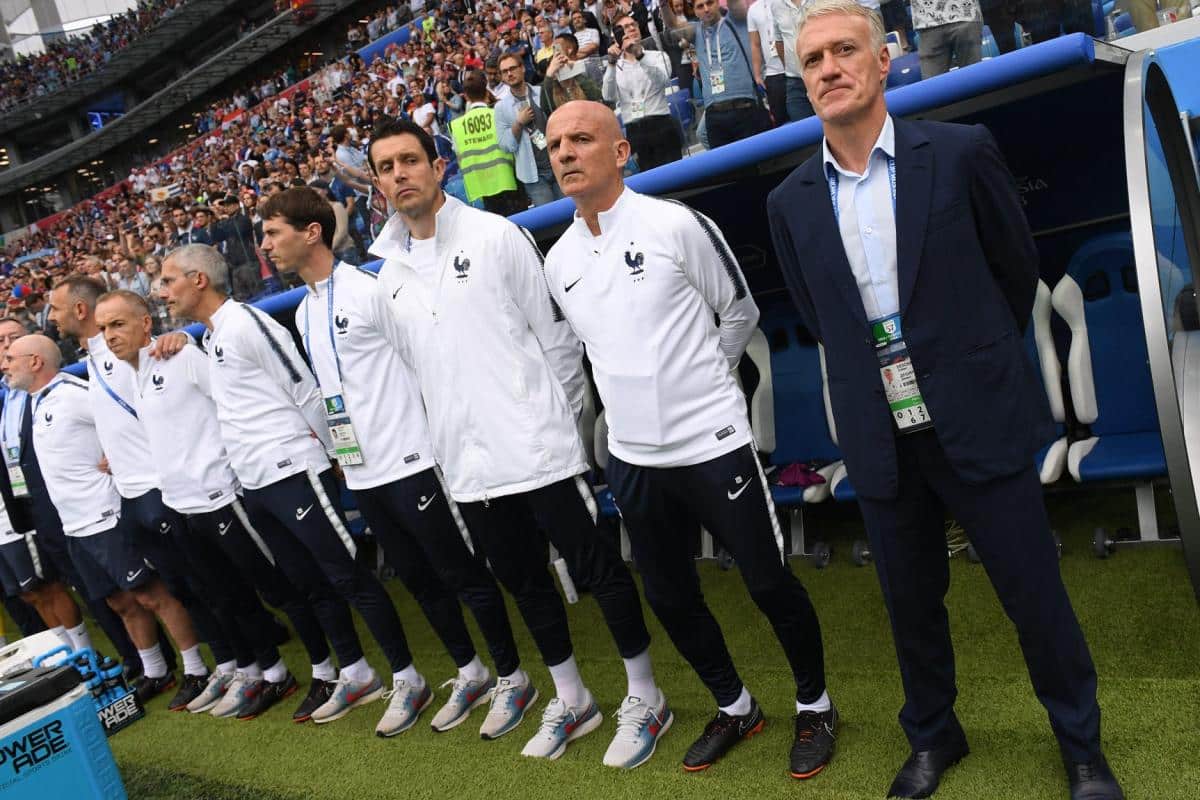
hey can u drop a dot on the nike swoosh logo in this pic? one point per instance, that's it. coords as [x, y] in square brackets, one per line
[398, 288]
[424, 503]
[738, 493]
[302, 514]
[26, 582]
[354, 697]
[572, 285]
[132, 576]
[222, 527]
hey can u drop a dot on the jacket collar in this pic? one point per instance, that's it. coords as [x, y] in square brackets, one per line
[914, 182]
[392, 240]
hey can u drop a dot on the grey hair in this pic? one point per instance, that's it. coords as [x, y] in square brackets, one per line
[206, 259]
[825, 8]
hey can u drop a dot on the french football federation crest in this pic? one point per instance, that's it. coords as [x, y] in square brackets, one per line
[634, 263]
[48, 417]
[341, 323]
[159, 381]
[461, 266]
[108, 365]
[220, 354]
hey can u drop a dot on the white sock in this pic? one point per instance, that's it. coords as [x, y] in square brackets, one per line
[79, 635]
[568, 683]
[153, 663]
[639, 672]
[227, 667]
[820, 705]
[64, 636]
[517, 676]
[193, 662]
[473, 670]
[277, 672]
[410, 676]
[324, 671]
[252, 671]
[741, 707]
[359, 672]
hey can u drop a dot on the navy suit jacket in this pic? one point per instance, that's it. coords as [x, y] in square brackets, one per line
[967, 270]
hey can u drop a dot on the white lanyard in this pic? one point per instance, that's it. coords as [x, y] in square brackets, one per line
[833, 188]
[707, 51]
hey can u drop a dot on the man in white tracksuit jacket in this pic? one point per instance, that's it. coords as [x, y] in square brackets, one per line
[502, 379]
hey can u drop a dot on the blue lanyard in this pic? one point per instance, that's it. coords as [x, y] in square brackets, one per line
[833, 189]
[328, 324]
[95, 371]
[12, 421]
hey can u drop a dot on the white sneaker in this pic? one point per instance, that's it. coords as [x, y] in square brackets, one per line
[560, 725]
[347, 695]
[465, 696]
[639, 727]
[235, 698]
[214, 690]
[405, 704]
[510, 701]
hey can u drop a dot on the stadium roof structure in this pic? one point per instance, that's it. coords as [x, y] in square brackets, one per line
[169, 32]
[204, 77]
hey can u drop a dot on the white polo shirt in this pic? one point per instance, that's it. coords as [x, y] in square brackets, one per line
[175, 404]
[352, 358]
[68, 452]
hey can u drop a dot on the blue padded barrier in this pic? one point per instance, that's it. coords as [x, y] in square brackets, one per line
[1010, 69]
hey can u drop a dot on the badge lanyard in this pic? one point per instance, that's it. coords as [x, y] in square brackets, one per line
[905, 402]
[13, 413]
[341, 431]
[708, 51]
[104, 385]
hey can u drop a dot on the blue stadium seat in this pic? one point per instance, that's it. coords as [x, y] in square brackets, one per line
[681, 107]
[1107, 367]
[904, 70]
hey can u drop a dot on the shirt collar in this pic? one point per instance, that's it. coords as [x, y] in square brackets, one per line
[221, 312]
[607, 219]
[886, 143]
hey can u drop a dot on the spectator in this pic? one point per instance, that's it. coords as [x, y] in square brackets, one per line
[130, 278]
[637, 81]
[566, 76]
[948, 33]
[732, 110]
[521, 126]
[765, 59]
[785, 14]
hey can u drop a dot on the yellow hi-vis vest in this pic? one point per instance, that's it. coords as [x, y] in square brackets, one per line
[486, 169]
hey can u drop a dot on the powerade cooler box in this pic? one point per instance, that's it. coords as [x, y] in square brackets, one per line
[51, 743]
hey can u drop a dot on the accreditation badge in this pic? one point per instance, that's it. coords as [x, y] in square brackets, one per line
[341, 431]
[904, 400]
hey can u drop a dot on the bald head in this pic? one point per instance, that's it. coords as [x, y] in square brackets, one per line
[35, 344]
[31, 362]
[588, 154]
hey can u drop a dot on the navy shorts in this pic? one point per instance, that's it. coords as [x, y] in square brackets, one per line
[109, 562]
[20, 567]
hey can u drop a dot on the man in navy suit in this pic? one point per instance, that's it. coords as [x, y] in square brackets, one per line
[907, 253]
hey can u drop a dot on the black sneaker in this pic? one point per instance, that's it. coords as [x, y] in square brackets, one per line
[816, 733]
[722, 733]
[192, 687]
[150, 688]
[318, 693]
[268, 695]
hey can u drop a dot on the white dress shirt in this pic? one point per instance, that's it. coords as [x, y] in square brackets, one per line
[638, 86]
[866, 213]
